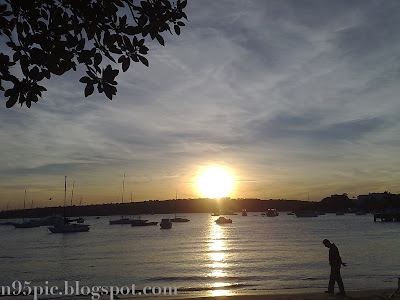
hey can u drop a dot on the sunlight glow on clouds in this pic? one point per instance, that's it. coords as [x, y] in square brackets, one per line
[295, 97]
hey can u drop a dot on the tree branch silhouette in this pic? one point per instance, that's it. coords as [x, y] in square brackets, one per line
[51, 37]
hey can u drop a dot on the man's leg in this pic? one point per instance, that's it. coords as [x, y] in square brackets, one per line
[332, 279]
[339, 280]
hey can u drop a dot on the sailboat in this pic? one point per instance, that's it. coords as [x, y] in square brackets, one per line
[29, 224]
[178, 219]
[65, 227]
[122, 220]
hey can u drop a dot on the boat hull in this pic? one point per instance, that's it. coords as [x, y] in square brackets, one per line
[69, 228]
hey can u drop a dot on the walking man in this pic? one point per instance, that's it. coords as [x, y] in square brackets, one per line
[336, 262]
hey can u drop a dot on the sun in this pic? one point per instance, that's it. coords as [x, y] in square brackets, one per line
[215, 182]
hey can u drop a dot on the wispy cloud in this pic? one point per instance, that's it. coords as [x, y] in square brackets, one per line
[292, 96]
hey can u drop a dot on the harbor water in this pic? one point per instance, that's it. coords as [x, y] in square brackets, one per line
[253, 254]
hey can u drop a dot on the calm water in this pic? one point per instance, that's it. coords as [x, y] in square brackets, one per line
[254, 253]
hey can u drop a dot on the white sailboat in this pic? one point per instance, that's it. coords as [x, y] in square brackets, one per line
[178, 219]
[65, 227]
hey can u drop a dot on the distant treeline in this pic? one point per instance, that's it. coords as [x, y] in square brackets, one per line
[328, 204]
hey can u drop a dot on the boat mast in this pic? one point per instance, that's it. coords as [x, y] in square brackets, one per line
[176, 201]
[23, 217]
[7, 213]
[72, 193]
[123, 187]
[65, 197]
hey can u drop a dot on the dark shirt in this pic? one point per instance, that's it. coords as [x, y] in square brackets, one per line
[334, 257]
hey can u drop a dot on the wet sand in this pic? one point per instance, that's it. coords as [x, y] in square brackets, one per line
[299, 295]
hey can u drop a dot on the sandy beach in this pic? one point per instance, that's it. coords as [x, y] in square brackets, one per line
[299, 295]
[273, 295]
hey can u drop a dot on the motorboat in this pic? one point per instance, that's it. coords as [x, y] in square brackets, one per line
[137, 223]
[222, 220]
[306, 214]
[121, 221]
[271, 212]
[244, 213]
[165, 224]
[179, 220]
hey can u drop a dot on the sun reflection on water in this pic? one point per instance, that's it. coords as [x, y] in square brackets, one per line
[218, 262]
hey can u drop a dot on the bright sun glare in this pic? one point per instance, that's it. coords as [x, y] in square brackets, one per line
[215, 182]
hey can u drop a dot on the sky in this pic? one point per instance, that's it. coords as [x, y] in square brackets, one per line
[296, 99]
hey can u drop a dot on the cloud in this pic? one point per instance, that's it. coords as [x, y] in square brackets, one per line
[288, 94]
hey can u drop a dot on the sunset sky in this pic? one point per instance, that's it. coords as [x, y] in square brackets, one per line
[291, 97]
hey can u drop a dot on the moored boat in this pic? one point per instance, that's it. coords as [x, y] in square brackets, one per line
[222, 220]
[165, 224]
[121, 221]
[137, 223]
[271, 212]
[66, 226]
[179, 220]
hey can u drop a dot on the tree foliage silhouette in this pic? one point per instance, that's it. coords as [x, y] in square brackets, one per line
[51, 37]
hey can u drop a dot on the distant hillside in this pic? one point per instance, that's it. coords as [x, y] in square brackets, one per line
[163, 207]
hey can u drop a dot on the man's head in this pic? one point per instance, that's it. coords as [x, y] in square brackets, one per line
[326, 243]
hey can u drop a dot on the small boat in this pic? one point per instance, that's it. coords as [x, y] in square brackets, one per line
[306, 214]
[215, 214]
[151, 223]
[66, 228]
[121, 221]
[222, 220]
[244, 213]
[137, 223]
[80, 220]
[360, 213]
[165, 224]
[271, 212]
[97, 218]
[179, 220]
[290, 213]
[340, 213]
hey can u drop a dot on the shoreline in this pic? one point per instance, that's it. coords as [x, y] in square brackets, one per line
[300, 294]
[297, 294]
